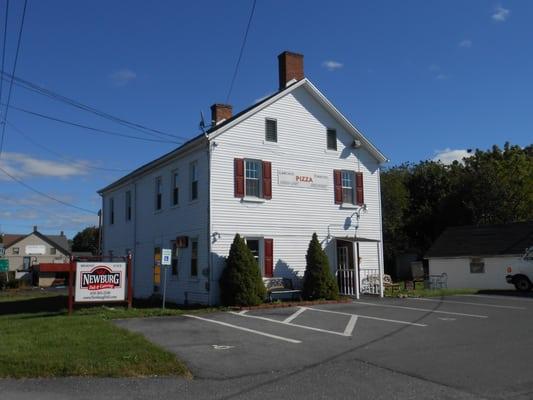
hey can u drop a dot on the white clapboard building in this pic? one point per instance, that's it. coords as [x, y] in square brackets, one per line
[286, 167]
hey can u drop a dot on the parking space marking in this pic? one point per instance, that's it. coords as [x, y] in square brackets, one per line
[311, 328]
[422, 309]
[351, 325]
[293, 316]
[241, 328]
[395, 321]
[468, 303]
[497, 297]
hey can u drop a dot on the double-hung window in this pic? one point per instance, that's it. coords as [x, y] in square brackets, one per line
[253, 176]
[111, 211]
[348, 187]
[128, 205]
[331, 139]
[194, 258]
[194, 180]
[175, 188]
[158, 193]
[174, 259]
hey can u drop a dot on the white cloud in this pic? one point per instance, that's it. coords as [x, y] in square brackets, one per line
[465, 43]
[447, 156]
[122, 77]
[332, 65]
[22, 165]
[501, 14]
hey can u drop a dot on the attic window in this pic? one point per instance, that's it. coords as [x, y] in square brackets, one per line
[271, 130]
[332, 139]
[477, 266]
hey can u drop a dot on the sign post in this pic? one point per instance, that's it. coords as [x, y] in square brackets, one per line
[166, 260]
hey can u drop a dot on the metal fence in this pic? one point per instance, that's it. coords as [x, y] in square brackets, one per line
[370, 282]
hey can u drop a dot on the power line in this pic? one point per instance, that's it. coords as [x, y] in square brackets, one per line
[44, 194]
[57, 154]
[19, 41]
[4, 47]
[90, 128]
[74, 103]
[241, 52]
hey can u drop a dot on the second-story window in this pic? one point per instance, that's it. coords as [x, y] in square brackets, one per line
[332, 139]
[348, 187]
[194, 180]
[158, 193]
[271, 130]
[52, 251]
[194, 258]
[111, 211]
[128, 205]
[175, 188]
[253, 178]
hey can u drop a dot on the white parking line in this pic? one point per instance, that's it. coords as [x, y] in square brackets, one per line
[497, 297]
[244, 329]
[293, 316]
[351, 325]
[422, 309]
[367, 317]
[311, 328]
[468, 303]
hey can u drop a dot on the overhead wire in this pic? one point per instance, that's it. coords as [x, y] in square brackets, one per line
[241, 51]
[4, 48]
[10, 91]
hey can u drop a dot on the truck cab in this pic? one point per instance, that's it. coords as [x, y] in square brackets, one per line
[520, 274]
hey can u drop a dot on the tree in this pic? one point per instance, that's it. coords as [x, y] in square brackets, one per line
[86, 240]
[241, 283]
[318, 280]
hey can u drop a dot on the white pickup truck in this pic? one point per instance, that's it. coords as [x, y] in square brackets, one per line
[520, 273]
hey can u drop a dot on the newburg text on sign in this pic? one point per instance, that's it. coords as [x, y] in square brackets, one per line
[100, 281]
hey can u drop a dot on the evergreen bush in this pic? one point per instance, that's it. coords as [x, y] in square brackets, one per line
[319, 283]
[241, 283]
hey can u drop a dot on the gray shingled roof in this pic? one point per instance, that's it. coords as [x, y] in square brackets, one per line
[488, 240]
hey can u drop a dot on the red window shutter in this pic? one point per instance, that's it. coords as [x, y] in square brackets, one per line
[238, 164]
[359, 191]
[267, 180]
[269, 258]
[337, 180]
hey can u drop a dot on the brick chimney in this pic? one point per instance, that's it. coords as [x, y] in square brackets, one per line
[291, 66]
[220, 112]
[35, 228]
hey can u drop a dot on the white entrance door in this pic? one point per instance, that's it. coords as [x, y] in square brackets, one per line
[345, 269]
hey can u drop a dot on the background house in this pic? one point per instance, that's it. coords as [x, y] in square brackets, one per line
[478, 256]
[23, 251]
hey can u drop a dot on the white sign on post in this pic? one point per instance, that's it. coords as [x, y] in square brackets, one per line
[166, 257]
[100, 281]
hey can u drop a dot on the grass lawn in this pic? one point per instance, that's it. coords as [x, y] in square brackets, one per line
[420, 291]
[38, 339]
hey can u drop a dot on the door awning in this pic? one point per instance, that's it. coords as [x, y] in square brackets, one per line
[357, 239]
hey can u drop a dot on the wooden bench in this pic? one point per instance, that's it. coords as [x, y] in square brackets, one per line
[281, 286]
[389, 285]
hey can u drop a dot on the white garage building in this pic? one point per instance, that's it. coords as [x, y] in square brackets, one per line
[477, 257]
[286, 167]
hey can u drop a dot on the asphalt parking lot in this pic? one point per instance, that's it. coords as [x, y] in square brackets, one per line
[460, 347]
[475, 345]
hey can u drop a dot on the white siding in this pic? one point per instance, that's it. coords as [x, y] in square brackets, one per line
[459, 276]
[153, 228]
[293, 213]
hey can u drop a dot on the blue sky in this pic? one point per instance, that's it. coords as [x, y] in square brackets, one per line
[416, 77]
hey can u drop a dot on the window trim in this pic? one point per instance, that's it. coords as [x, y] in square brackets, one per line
[478, 263]
[250, 197]
[328, 131]
[275, 121]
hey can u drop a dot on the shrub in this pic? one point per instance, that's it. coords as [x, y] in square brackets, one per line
[319, 283]
[241, 283]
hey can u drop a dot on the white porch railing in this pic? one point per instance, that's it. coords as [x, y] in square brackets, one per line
[370, 281]
[346, 282]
